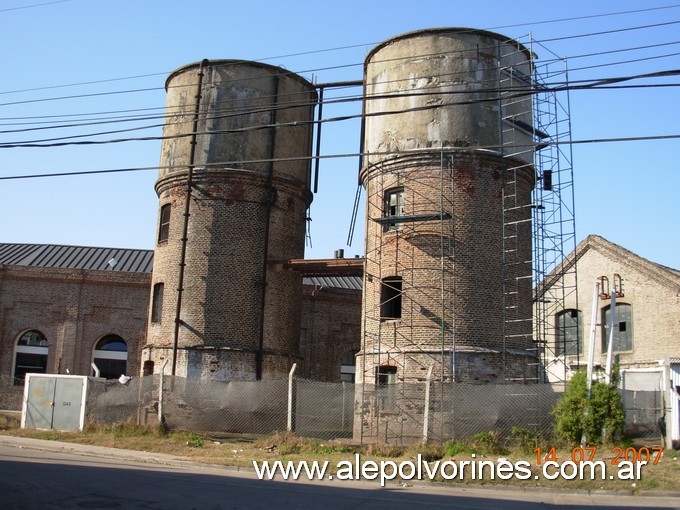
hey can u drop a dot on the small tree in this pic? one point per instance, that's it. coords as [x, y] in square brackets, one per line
[575, 415]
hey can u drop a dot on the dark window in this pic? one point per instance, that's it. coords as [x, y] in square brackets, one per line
[386, 378]
[157, 303]
[348, 366]
[30, 356]
[147, 368]
[390, 298]
[568, 333]
[623, 330]
[164, 224]
[110, 356]
[394, 207]
[386, 375]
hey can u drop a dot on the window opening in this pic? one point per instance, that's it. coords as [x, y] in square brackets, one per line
[30, 356]
[157, 303]
[623, 334]
[110, 355]
[164, 224]
[390, 298]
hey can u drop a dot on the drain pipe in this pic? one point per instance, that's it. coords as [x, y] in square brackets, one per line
[269, 202]
[185, 228]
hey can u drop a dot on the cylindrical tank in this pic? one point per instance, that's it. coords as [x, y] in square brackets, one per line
[448, 152]
[250, 168]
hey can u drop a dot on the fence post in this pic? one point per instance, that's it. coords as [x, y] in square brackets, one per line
[426, 413]
[161, 421]
[291, 399]
[343, 405]
[667, 397]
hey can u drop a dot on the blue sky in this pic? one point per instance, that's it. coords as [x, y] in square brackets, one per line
[123, 50]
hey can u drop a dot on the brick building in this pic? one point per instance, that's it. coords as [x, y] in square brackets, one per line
[63, 308]
[646, 326]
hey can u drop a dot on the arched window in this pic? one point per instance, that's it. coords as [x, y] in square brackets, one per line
[110, 355]
[30, 355]
[348, 366]
[164, 224]
[623, 334]
[568, 333]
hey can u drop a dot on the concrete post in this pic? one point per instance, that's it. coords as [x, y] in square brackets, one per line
[291, 399]
[668, 394]
[160, 395]
[426, 413]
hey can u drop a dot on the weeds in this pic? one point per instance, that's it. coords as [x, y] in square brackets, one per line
[285, 443]
[524, 440]
[9, 421]
[488, 443]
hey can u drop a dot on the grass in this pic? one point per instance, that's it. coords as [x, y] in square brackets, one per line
[241, 451]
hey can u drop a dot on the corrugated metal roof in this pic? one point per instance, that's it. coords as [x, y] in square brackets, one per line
[126, 260]
[76, 257]
[336, 282]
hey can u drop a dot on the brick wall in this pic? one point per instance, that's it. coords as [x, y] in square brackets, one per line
[452, 270]
[74, 309]
[652, 291]
[330, 327]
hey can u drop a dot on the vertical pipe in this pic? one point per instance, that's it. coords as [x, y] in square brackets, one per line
[185, 228]
[610, 344]
[426, 412]
[317, 151]
[161, 421]
[442, 262]
[269, 200]
[591, 353]
[291, 399]
[591, 340]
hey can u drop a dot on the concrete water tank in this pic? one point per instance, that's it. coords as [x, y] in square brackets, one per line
[243, 131]
[448, 173]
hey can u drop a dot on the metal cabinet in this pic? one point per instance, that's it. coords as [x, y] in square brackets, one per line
[54, 402]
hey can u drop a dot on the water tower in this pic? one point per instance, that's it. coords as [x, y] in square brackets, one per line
[233, 189]
[448, 173]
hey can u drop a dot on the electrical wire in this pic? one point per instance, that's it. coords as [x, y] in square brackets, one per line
[338, 48]
[81, 96]
[522, 92]
[335, 156]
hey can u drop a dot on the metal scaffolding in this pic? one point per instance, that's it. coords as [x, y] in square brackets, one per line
[531, 107]
[554, 221]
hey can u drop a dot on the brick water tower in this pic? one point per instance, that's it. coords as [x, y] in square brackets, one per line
[448, 173]
[233, 189]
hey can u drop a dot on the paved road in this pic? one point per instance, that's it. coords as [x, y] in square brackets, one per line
[43, 474]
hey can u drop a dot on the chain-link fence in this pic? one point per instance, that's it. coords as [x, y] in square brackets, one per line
[11, 395]
[311, 409]
[404, 413]
[394, 413]
[643, 403]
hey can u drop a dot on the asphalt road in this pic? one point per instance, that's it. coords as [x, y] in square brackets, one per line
[43, 474]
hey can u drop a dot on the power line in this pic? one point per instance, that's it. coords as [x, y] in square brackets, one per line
[336, 156]
[521, 92]
[348, 98]
[338, 48]
[80, 96]
[32, 6]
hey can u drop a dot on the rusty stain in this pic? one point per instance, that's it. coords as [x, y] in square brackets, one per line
[465, 176]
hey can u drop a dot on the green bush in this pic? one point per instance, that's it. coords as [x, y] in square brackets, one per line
[524, 440]
[575, 415]
[488, 443]
[453, 447]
